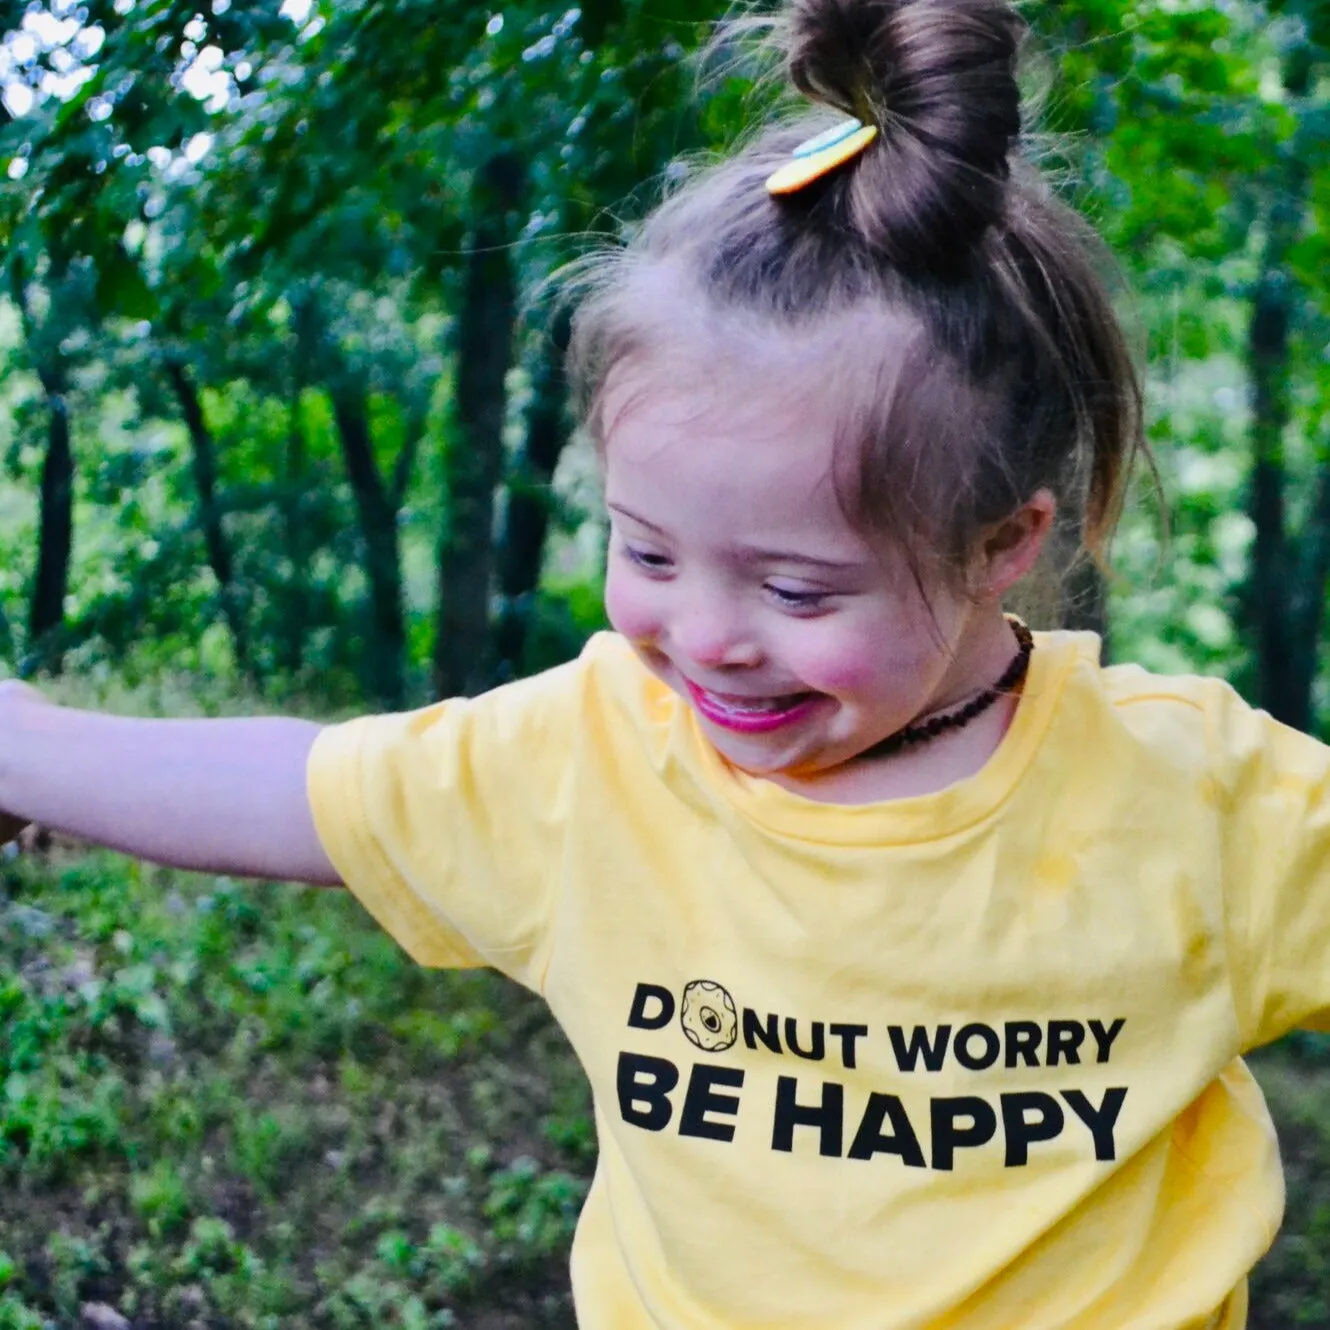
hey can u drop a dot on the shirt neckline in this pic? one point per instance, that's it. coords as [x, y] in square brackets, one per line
[916, 818]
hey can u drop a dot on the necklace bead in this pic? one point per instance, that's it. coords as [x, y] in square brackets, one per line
[922, 731]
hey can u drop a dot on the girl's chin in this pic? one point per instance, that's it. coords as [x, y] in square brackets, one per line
[752, 754]
[757, 758]
[804, 763]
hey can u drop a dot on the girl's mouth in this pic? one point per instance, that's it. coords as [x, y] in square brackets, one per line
[750, 715]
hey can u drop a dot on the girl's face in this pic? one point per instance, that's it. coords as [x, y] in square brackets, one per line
[797, 642]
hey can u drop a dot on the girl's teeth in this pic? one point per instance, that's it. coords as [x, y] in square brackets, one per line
[752, 706]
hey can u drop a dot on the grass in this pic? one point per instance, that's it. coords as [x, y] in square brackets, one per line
[239, 1105]
[1291, 1287]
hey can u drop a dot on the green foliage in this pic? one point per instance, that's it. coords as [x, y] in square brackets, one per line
[562, 618]
[537, 1210]
[17, 1315]
[290, 237]
[161, 1199]
[245, 1104]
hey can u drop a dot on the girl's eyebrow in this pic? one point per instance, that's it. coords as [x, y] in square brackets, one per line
[753, 552]
[790, 556]
[633, 517]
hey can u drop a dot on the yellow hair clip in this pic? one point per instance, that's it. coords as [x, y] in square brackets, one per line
[815, 157]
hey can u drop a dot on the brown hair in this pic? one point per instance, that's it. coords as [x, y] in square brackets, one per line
[998, 366]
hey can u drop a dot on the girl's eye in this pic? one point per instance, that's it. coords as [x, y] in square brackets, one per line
[798, 600]
[652, 563]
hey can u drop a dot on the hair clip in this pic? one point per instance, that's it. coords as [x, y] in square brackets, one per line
[823, 153]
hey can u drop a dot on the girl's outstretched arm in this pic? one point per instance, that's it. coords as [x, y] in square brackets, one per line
[217, 796]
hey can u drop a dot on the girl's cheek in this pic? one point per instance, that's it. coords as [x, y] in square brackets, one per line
[846, 672]
[849, 664]
[628, 604]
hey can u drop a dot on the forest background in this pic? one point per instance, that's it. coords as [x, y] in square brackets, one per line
[285, 427]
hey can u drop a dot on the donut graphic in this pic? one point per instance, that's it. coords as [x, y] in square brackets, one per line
[708, 1016]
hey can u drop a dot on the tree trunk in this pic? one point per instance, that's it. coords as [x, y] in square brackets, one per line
[1280, 609]
[55, 532]
[527, 514]
[46, 620]
[474, 459]
[1310, 573]
[1268, 591]
[204, 458]
[385, 647]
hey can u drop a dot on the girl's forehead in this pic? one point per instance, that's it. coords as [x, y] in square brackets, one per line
[697, 365]
[729, 462]
[726, 417]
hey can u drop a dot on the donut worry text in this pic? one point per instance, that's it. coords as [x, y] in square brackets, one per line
[705, 1100]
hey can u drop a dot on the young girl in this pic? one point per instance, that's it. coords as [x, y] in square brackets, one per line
[910, 959]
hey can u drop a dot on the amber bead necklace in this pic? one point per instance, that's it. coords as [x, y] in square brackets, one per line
[923, 730]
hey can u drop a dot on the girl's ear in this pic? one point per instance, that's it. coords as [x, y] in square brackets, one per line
[1008, 549]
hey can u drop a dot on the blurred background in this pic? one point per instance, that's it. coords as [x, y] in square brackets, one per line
[284, 426]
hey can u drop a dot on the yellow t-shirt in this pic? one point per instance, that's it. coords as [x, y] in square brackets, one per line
[968, 1060]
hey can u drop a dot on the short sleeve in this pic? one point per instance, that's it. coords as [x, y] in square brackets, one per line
[1273, 795]
[447, 822]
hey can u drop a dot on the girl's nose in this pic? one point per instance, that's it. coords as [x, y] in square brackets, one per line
[714, 639]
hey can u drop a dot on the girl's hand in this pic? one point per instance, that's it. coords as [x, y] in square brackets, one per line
[10, 827]
[15, 694]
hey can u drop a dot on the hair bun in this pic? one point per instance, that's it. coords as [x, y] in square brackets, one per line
[938, 78]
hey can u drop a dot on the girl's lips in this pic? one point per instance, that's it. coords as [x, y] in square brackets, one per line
[750, 715]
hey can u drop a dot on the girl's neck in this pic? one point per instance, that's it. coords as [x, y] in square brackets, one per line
[985, 652]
